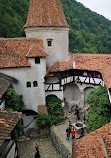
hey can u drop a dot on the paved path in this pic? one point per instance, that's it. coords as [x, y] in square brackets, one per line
[47, 150]
[61, 133]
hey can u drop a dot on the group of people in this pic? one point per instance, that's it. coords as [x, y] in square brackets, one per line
[70, 131]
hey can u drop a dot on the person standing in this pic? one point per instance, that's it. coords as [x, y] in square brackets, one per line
[68, 132]
[70, 124]
[77, 112]
[84, 118]
[73, 132]
[37, 154]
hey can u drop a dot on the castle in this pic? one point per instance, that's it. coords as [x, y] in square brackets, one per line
[42, 65]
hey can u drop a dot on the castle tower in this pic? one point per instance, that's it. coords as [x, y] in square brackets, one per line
[46, 21]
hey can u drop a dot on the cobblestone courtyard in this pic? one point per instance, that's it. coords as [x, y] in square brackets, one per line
[47, 150]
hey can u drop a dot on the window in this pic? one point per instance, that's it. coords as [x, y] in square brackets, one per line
[28, 84]
[37, 60]
[35, 84]
[49, 42]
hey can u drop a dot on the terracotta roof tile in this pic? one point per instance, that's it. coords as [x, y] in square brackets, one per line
[36, 51]
[5, 82]
[8, 121]
[93, 62]
[13, 51]
[91, 145]
[45, 13]
[63, 65]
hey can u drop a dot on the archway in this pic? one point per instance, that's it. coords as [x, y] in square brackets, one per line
[54, 105]
[72, 92]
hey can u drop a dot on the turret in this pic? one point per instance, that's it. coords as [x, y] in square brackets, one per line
[46, 20]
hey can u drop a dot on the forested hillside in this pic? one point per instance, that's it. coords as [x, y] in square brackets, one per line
[89, 32]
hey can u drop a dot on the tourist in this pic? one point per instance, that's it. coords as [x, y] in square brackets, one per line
[73, 132]
[37, 154]
[84, 118]
[77, 112]
[68, 132]
[70, 124]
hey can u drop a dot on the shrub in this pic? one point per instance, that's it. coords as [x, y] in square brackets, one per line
[13, 100]
[54, 105]
[44, 120]
[48, 120]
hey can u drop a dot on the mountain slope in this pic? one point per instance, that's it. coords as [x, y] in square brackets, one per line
[89, 33]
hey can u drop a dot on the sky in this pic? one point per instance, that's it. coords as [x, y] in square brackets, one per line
[102, 7]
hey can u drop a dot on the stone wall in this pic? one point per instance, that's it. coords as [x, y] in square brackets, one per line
[58, 144]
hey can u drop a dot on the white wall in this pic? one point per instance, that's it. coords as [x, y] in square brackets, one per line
[11, 152]
[71, 92]
[60, 41]
[2, 106]
[32, 96]
[109, 96]
[75, 93]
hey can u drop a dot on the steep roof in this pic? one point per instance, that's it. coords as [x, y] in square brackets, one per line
[8, 121]
[13, 52]
[36, 51]
[93, 62]
[45, 13]
[92, 146]
[5, 82]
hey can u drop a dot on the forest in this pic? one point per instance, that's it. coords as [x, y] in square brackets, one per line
[89, 31]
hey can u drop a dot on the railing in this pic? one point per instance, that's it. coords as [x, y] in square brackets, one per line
[75, 79]
[52, 87]
[82, 79]
[89, 80]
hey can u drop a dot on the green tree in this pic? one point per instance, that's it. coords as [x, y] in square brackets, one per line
[100, 108]
[13, 100]
[54, 105]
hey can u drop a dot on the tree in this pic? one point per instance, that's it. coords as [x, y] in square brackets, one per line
[13, 100]
[100, 108]
[54, 105]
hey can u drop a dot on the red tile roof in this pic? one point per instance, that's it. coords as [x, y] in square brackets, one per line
[5, 82]
[8, 121]
[13, 51]
[36, 51]
[93, 62]
[91, 145]
[45, 13]
[63, 65]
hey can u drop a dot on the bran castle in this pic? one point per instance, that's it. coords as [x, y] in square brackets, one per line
[42, 65]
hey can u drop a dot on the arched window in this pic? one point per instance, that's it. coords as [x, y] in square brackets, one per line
[35, 84]
[28, 84]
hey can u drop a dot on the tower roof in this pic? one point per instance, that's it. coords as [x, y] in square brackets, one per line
[45, 13]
